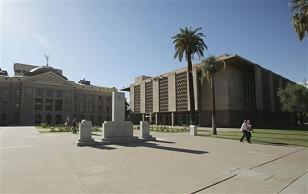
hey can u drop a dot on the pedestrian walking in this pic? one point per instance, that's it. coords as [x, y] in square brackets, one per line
[74, 125]
[67, 123]
[245, 132]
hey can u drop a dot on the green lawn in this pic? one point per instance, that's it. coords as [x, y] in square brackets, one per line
[274, 136]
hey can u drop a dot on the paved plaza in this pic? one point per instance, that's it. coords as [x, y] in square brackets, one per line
[33, 162]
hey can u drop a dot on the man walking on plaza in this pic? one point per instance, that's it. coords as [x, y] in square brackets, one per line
[244, 129]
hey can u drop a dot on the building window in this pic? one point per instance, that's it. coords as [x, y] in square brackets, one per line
[39, 92]
[100, 108]
[92, 119]
[75, 97]
[48, 104]
[4, 106]
[81, 108]
[3, 117]
[100, 98]
[59, 93]
[6, 92]
[48, 119]
[58, 119]
[108, 118]
[82, 98]
[38, 104]
[58, 105]
[49, 93]
[99, 118]
[16, 117]
[108, 109]
[38, 118]
[250, 96]
[17, 92]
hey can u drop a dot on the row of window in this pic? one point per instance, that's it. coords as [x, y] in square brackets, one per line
[90, 98]
[38, 104]
[38, 118]
[49, 93]
[6, 92]
[91, 108]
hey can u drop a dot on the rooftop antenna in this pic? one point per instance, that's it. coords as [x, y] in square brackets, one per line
[47, 58]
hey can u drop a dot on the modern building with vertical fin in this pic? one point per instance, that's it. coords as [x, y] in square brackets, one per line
[244, 90]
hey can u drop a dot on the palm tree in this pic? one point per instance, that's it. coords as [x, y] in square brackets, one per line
[188, 43]
[209, 68]
[299, 10]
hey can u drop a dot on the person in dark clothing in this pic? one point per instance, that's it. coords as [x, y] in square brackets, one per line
[74, 125]
[245, 131]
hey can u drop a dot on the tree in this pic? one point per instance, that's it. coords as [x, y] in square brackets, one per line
[294, 99]
[299, 9]
[188, 43]
[209, 68]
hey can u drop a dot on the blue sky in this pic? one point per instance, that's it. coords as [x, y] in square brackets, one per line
[111, 42]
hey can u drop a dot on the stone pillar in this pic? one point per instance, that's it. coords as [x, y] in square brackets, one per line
[143, 116]
[118, 106]
[142, 98]
[171, 93]
[145, 131]
[271, 91]
[172, 119]
[132, 98]
[85, 133]
[155, 95]
[258, 86]
[150, 118]
[156, 118]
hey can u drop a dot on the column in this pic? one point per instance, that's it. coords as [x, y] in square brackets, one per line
[258, 88]
[150, 118]
[156, 118]
[172, 119]
[171, 92]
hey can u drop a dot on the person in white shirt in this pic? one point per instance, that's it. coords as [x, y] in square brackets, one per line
[245, 130]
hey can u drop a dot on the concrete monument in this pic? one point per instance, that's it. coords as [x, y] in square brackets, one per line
[145, 131]
[85, 134]
[118, 130]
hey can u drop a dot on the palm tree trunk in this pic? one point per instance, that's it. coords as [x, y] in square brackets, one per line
[213, 106]
[190, 90]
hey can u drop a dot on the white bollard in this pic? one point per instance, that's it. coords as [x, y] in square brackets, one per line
[193, 130]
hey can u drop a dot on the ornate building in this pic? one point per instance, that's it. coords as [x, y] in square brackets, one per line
[42, 94]
[244, 90]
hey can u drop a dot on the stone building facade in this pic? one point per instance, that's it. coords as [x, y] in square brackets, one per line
[42, 94]
[244, 90]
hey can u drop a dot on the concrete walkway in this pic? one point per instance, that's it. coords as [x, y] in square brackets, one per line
[31, 162]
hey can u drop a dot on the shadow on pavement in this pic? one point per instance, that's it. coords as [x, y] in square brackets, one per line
[161, 141]
[102, 147]
[156, 146]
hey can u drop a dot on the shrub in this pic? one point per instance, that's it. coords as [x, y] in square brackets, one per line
[44, 125]
[61, 129]
[52, 129]
[96, 129]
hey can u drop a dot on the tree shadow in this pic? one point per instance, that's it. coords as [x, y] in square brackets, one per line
[156, 146]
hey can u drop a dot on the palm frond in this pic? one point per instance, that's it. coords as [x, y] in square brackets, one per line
[188, 43]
